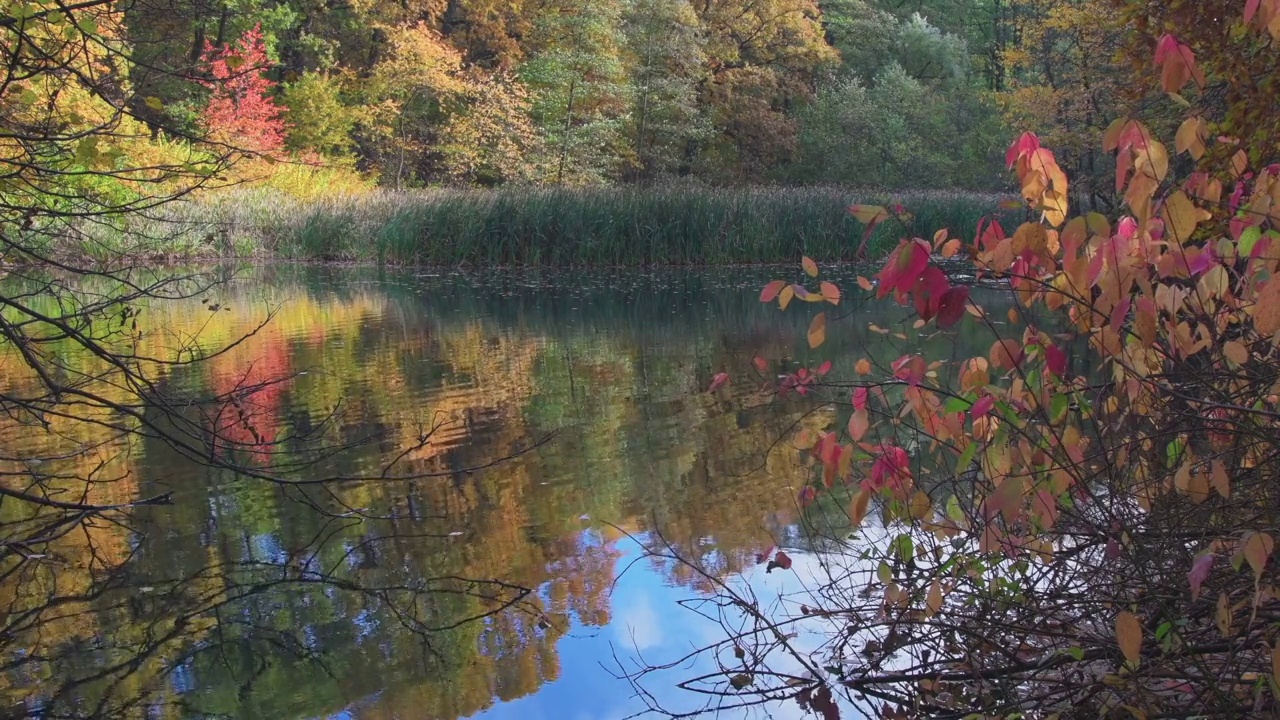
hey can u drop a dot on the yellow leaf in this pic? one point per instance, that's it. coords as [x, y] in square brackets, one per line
[1129, 636]
[1181, 217]
[1222, 616]
[867, 214]
[1236, 352]
[818, 330]
[1191, 136]
[809, 266]
[1257, 548]
[784, 297]
[920, 505]
[934, 600]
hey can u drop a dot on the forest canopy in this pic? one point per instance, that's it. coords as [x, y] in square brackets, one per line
[486, 93]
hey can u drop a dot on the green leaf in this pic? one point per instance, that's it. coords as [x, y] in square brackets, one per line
[966, 457]
[884, 573]
[954, 511]
[956, 404]
[1248, 239]
[906, 549]
[1058, 408]
[1075, 652]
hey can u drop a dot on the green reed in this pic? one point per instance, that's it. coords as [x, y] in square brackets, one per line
[621, 226]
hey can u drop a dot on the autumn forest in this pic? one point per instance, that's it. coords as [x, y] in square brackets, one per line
[474, 92]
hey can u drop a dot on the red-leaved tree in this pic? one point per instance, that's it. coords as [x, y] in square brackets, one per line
[242, 110]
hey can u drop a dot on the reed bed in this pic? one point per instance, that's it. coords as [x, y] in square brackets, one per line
[566, 227]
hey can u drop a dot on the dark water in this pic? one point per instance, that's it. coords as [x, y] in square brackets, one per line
[251, 600]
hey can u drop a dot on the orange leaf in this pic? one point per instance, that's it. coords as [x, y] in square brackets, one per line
[858, 508]
[830, 292]
[934, 600]
[1266, 314]
[809, 266]
[784, 298]
[1219, 478]
[865, 284]
[863, 367]
[1236, 352]
[818, 330]
[1129, 636]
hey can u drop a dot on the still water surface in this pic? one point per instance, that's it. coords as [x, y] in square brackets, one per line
[213, 607]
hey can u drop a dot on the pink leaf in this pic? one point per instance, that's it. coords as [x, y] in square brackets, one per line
[1027, 144]
[1200, 572]
[982, 406]
[717, 382]
[1250, 9]
[860, 398]
[1128, 228]
[824, 368]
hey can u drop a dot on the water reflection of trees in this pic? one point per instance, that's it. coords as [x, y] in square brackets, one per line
[275, 600]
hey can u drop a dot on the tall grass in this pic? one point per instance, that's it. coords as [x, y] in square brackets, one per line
[623, 226]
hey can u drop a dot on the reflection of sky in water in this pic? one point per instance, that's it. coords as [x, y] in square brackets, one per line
[648, 624]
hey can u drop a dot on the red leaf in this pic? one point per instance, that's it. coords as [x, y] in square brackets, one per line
[771, 290]
[760, 363]
[928, 292]
[910, 369]
[990, 237]
[903, 268]
[717, 382]
[1200, 572]
[1056, 359]
[782, 560]
[951, 307]
[242, 107]
[982, 406]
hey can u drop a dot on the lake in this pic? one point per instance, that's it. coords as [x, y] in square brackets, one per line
[376, 599]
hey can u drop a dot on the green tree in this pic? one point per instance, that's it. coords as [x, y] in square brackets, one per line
[576, 71]
[666, 62]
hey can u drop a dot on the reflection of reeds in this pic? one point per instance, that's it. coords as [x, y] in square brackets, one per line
[565, 227]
